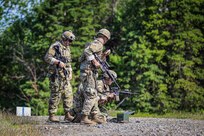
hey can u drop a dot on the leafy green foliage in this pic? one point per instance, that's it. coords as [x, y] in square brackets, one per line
[36, 95]
[157, 50]
[161, 48]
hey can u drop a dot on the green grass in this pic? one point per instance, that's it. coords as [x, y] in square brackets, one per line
[176, 114]
[13, 125]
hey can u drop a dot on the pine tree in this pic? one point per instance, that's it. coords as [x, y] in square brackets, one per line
[161, 53]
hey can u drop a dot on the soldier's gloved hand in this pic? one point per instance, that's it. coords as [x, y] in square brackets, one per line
[111, 96]
[102, 101]
[96, 63]
[60, 64]
[106, 53]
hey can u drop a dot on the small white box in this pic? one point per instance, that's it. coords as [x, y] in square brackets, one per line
[23, 111]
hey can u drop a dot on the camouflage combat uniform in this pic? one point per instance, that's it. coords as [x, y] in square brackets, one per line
[88, 76]
[102, 93]
[59, 84]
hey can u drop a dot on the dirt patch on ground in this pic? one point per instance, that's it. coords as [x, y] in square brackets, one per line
[136, 127]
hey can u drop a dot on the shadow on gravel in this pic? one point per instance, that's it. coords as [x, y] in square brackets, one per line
[114, 120]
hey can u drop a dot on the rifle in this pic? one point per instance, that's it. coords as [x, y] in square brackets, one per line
[63, 59]
[125, 92]
[105, 69]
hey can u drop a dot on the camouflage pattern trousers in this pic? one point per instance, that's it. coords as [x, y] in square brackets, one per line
[90, 105]
[60, 89]
[78, 100]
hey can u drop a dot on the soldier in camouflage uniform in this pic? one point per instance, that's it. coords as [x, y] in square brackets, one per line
[88, 73]
[60, 74]
[104, 95]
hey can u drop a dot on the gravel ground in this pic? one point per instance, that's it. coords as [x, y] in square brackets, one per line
[135, 127]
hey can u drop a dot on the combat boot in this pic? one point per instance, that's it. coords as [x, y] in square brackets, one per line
[68, 117]
[98, 119]
[52, 118]
[85, 120]
[77, 118]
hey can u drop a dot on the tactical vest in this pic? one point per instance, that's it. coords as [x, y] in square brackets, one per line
[63, 54]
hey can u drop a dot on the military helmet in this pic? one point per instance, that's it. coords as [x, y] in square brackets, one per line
[104, 32]
[112, 73]
[68, 35]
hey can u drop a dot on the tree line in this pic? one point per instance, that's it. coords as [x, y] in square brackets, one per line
[157, 50]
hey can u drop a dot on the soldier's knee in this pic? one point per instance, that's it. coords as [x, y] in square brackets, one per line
[90, 93]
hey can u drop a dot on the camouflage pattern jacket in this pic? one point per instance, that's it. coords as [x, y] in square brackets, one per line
[88, 54]
[57, 51]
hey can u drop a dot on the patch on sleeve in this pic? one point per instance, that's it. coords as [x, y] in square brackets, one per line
[96, 47]
[51, 51]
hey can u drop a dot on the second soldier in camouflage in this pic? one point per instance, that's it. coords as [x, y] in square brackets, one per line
[88, 74]
[60, 73]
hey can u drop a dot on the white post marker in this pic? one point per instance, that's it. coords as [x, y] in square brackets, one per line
[23, 111]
